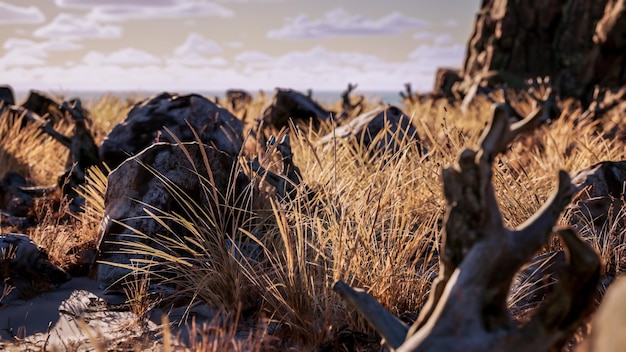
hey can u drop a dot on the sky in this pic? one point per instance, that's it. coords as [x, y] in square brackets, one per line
[109, 45]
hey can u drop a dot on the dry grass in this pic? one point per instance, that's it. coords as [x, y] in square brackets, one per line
[373, 222]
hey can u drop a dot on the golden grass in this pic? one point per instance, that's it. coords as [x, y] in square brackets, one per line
[30, 152]
[374, 222]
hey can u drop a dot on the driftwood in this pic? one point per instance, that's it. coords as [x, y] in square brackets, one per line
[467, 308]
[348, 108]
[408, 95]
[287, 181]
[82, 146]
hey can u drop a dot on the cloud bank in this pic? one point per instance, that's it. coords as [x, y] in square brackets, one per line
[11, 14]
[339, 22]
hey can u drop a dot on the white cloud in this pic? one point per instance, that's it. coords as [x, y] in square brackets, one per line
[248, 1]
[196, 60]
[319, 68]
[16, 58]
[434, 56]
[234, 44]
[252, 56]
[424, 35]
[436, 38]
[163, 9]
[66, 26]
[443, 39]
[319, 55]
[451, 23]
[123, 57]
[11, 14]
[197, 44]
[24, 52]
[91, 3]
[39, 48]
[340, 23]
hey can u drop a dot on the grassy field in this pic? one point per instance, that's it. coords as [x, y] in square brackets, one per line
[374, 222]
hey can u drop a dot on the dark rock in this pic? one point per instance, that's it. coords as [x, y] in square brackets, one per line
[145, 181]
[147, 122]
[534, 282]
[579, 43]
[597, 210]
[26, 267]
[17, 200]
[366, 127]
[445, 78]
[13, 198]
[290, 104]
[6, 95]
[237, 99]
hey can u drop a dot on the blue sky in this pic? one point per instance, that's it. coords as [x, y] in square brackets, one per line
[220, 44]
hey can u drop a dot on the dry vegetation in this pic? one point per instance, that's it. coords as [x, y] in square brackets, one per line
[374, 222]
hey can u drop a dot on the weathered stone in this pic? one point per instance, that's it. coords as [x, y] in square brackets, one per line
[26, 267]
[17, 200]
[290, 104]
[366, 127]
[445, 78]
[237, 99]
[13, 198]
[6, 95]
[579, 43]
[147, 122]
[144, 181]
[597, 210]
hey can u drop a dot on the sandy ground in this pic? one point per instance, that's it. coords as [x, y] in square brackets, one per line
[74, 317]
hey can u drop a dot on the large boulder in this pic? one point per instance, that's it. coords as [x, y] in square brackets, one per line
[26, 268]
[579, 43]
[365, 128]
[147, 122]
[145, 181]
[290, 104]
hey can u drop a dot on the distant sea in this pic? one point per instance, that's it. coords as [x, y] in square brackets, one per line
[322, 96]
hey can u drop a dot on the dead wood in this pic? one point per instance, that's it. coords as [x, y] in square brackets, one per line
[467, 308]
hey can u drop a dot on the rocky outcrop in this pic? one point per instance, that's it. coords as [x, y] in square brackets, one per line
[579, 43]
[153, 120]
[290, 104]
[164, 177]
[25, 268]
[365, 129]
